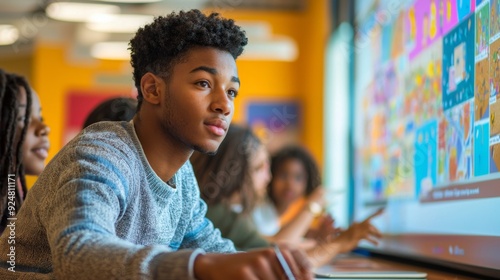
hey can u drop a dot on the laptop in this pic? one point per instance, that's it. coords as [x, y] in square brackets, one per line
[364, 270]
[349, 275]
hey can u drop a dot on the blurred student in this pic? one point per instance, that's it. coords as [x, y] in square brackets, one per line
[295, 198]
[233, 181]
[114, 109]
[294, 208]
[24, 142]
[120, 201]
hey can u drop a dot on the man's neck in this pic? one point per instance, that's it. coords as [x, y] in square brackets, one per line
[164, 154]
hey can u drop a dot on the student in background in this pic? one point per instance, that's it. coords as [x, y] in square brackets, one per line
[114, 109]
[234, 180]
[295, 198]
[120, 200]
[24, 142]
[294, 207]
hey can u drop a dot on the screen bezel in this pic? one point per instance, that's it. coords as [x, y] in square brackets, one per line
[446, 266]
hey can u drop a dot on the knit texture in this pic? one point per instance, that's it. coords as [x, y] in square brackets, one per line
[99, 211]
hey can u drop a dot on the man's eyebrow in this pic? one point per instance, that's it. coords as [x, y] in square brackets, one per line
[214, 71]
[210, 70]
[235, 80]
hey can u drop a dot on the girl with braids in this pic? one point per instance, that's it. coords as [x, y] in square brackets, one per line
[23, 141]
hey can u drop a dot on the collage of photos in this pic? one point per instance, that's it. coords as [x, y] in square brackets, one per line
[435, 122]
[494, 58]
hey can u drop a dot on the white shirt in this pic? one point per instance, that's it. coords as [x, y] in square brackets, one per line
[266, 218]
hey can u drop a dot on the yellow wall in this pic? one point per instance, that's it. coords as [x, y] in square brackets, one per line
[54, 74]
[313, 46]
[21, 64]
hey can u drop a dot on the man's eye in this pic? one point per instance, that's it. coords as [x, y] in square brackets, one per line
[203, 84]
[232, 93]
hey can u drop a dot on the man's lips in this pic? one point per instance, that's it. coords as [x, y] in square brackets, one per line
[217, 126]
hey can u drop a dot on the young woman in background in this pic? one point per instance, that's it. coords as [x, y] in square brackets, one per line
[24, 142]
[231, 182]
[295, 199]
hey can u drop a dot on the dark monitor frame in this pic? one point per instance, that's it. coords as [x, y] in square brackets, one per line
[455, 268]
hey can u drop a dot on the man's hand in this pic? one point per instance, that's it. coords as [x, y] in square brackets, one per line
[256, 264]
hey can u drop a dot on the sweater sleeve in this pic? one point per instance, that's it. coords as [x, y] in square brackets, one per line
[202, 234]
[80, 215]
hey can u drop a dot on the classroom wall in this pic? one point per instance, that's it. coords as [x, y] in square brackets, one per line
[55, 72]
[313, 46]
[21, 64]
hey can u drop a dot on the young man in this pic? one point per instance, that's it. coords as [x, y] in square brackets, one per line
[120, 201]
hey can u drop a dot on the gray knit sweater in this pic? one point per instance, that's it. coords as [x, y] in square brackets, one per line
[99, 211]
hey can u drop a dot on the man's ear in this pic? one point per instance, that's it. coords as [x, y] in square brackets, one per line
[150, 87]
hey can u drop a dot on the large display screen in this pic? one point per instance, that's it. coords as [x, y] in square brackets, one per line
[427, 127]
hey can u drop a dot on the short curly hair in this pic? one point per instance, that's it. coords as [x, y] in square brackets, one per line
[158, 46]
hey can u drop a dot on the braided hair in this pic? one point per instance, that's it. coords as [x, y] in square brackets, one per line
[11, 140]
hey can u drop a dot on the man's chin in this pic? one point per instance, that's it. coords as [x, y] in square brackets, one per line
[206, 150]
